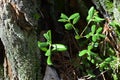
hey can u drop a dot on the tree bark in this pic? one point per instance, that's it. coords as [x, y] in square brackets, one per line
[108, 8]
[18, 35]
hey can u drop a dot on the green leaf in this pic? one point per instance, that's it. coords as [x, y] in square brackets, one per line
[48, 52]
[42, 45]
[109, 59]
[68, 26]
[90, 13]
[75, 20]
[89, 57]
[59, 47]
[82, 53]
[89, 35]
[98, 19]
[73, 16]
[102, 35]
[114, 23]
[77, 37]
[93, 61]
[63, 16]
[115, 77]
[93, 28]
[102, 65]
[94, 38]
[99, 30]
[43, 49]
[63, 20]
[48, 36]
[49, 62]
[90, 47]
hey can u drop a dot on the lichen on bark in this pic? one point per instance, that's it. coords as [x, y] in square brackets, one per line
[116, 10]
[21, 51]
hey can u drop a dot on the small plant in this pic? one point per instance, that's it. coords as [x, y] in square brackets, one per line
[95, 37]
[70, 22]
[49, 48]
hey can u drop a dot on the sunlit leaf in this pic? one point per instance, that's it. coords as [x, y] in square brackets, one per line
[102, 65]
[90, 13]
[93, 61]
[48, 36]
[73, 16]
[77, 37]
[94, 38]
[109, 59]
[49, 62]
[59, 47]
[93, 29]
[90, 47]
[99, 30]
[43, 49]
[62, 20]
[102, 35]
[63, 16]
[68, 26]
[75, 20]
[82, 53]
[48, 52]
[115, 77]
[42, 45]
[98, 19]
[89, 58]
[89, 35]
[114, 23]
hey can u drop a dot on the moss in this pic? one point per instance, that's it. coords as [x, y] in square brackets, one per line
[117, 4]
[118, 9]
[109, 5]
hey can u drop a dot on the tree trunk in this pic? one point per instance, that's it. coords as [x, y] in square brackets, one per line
[108, 8]
[17, 33]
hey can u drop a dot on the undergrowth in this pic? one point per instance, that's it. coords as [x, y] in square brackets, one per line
[102, 51]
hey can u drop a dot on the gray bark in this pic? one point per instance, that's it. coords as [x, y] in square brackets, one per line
[108, 8]
[17, 32]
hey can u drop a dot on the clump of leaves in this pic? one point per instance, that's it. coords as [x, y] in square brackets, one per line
[70, 22]
[49, 48]
[95, 36]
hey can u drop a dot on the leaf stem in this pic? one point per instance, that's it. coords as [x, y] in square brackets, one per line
[85, 28]
[88, 23]
[74, 28]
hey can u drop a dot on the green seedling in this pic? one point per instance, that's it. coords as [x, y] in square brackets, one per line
[49, 48]
[70, 22]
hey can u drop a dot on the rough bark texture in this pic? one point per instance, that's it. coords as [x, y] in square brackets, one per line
[17, 32]
[108, 8]
[116, 9]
